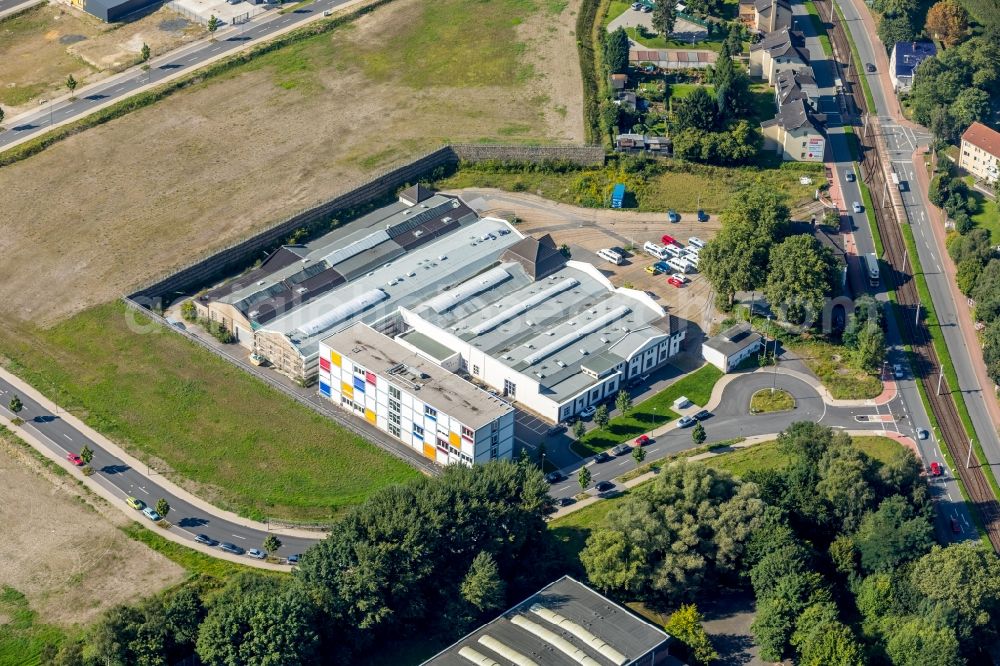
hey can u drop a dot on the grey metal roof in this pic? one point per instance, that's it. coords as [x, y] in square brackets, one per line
[564, 624]
[734, 339]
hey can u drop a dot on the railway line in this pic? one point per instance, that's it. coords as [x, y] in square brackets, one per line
[900, 277]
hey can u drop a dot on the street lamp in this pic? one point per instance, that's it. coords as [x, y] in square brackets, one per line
[45, 101]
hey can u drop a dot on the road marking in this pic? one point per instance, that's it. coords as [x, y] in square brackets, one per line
[624, 462]
[239, 537]
[67, 437]
[143, 489]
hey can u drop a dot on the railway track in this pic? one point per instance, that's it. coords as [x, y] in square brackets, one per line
[900, 277]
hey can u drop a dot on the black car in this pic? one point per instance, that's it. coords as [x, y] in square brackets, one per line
[231, 548]
[702, 216]
[604, 486]
[564, 501]
[869, 67]
[557, 429]
[554, 477]
[602, 457]
[207, 540]
[294, 559]
[702, 415]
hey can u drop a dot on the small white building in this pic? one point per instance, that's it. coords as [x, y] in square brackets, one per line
[731, 347]
[904, 60]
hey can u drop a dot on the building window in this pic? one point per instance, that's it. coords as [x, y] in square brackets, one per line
[394, 430]
[394, 392]
[430, 412]
[509, 388]
[394, 418]
[494, 440]
[393, 406]
[494, 452]
[468, 433]
[418, 431]
[359, 370]
[475, 369]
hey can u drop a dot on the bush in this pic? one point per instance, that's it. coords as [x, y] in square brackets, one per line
[188, 311]
[218, 331]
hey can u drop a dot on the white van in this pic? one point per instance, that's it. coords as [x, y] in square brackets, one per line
[611, 255]
[697, 242]
[671, 251]
[678, 265]
[693, 249]
[691, 259]
[653, 249]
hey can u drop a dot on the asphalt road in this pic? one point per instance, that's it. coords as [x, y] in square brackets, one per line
[902, 141]
[7, 5]
[183, 59]
[125, 481]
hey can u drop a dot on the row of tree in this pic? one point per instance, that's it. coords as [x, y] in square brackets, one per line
[431, 558]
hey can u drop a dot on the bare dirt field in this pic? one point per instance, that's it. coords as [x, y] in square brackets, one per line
[42, 46]
[587, 230]
[68, 559]
[121, 203]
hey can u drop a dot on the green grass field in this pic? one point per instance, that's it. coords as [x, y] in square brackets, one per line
[987, 215]
[767, 456]
[659, 42]
[765, 401]
[22, 637]
[241, 444]
[651, 413]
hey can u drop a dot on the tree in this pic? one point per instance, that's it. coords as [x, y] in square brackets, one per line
[71, 83]
[623, 401]
[188, 311]
[972, 104]
[638, 454]
[15, 405]
[801, 274]
[579, 429]
[991, 350]
[213, 23]
[2, 114]
[162, 507]
[698, 434]
[614, 562]
[698, 111]
[685, 624]
[823, 640]
[601, 417]
[967, 274]
[482, 586]
[916, 641]
[893, 29]
[616, 51]
[144, 52]
[948, 22]
[892, 535]
[86, 454]
[584, 478]
[871, 348]
[866, 309]
[987, 292]
[664, 17]
[271, 543]
[844, 482]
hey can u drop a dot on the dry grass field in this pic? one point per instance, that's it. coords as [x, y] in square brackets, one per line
[64, 562]
[126, 201]
[39, 48]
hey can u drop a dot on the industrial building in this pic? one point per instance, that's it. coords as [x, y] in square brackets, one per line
[564, 624]
[111, 11]
[468, 294]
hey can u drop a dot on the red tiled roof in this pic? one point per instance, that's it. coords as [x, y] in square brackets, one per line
[984, 137]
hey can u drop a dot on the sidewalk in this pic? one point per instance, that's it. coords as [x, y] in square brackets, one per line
[115, 450]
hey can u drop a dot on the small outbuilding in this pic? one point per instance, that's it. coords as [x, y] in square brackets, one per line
[731, 347]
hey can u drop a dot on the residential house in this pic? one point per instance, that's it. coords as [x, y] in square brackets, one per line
[779, 51]
[795, 133]
[638, 143]
[980, 153]
[903, 62]
[731, 347]
[791, 85]
[618, 82]
[772, 15]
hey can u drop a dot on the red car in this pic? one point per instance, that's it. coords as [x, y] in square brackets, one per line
[935, 469]
[669, 240]
[642, 440]
[75, 459]
[955, 527]
[674, 281]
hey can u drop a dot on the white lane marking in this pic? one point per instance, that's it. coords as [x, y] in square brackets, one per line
[67, 437]
[143, 489]
[239, 537]
[624, 462]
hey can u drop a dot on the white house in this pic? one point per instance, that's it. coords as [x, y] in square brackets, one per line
[731, 347]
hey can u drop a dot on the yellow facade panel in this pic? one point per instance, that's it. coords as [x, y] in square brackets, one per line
[370, 415]
[455, 440]
[430, 451]
[335, 358]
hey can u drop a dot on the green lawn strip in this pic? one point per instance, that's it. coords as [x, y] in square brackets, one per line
[857, 62]
[765, 401]
[191, 560]
[660, 42]
[615, 9]
[22, 638]
[987, 214]
[237, 441]
[651, 413]
[944, 357]
[820, 28]
[866, 200]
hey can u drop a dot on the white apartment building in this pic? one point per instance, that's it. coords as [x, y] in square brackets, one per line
[980, 153]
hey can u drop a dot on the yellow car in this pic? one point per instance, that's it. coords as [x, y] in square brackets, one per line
[652, 270]
[136, 503]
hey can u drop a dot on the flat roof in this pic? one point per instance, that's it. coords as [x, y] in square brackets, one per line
[734, 339]
[431, 383]
[428, 345]
[563, 624]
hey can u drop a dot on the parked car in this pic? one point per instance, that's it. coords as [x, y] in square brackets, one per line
[646, 9]
[935, 468]
[643, 440]
[74, 458]
[557, 429]
[673, 216]
[136, 503]
[150, 513]
[621, 450]
[674, 281]
[604, 486]
[849, 175]
[697, 242]
[702, 415]
[636, 6]
[602, 457]
[686, 421]
[207, 540]
[564, 501]
[294, 559]
[897, 371]
[869, 67]
[256, 554]
[922, 434]
[955, 527]
[669, 240]
[555, 477]
[588, 412]
[683, 278]
[702, 216]
[653, 270]
[231, 548]
[856, 207]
